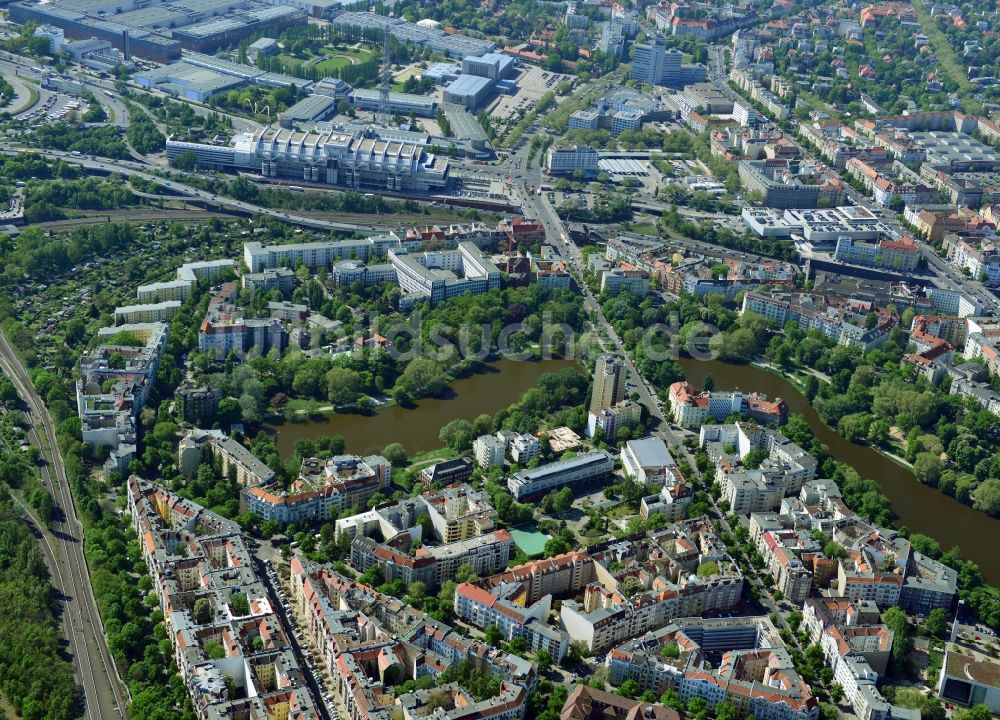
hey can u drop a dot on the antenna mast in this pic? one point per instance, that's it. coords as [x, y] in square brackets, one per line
[385, 84]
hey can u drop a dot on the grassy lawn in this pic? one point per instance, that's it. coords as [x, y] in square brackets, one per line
[641, 228]
[619, 511]
[306, 404]
[425, 457]
[360, 53]
[333, 64]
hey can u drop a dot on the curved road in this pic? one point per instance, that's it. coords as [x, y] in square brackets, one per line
[103, 691]
[136, 169]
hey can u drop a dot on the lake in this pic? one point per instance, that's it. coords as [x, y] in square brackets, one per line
[417, 427]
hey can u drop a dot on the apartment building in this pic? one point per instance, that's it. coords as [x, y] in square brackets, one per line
[194, 557]
[691, 408]
[974, 254]
[188, 275]
[321, 489]
[489, 451]
[587, 703]
[313, 255]
[506, 610]
[756, 673]
[519, 600]
[845, 323]
[575, 472]
[371, 643]
[671, 502]
[281, 279]
[900, 255]
[856, 646]
[115, 383]
[634, 282]
[607, 617]
[787, 555]
[746, 490]
[434, 565]
[237, 460]
[610, 420]
[196, 403]
[882, 567]
[224, 328]
[609, 382]
[147, 313]
[748, 84]
[439, 275]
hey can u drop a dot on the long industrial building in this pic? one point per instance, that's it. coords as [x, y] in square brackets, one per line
[356, 159]
[159, 31]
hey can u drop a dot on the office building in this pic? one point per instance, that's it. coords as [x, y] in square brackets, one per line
[655, 64]
[453, 45]
[399, 103]
[569, 160]
[969, 680]
[649, 462]
[446, 472]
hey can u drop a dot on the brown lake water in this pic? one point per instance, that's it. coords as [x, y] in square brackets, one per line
[417, 427]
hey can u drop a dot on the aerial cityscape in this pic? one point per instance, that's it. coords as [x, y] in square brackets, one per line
[499, 360]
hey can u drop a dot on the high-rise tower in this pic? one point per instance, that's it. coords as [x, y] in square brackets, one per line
[609, 383]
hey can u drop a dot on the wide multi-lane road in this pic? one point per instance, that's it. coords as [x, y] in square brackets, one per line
[104, 696]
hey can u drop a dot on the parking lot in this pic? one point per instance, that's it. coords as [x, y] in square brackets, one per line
[55, 107]
[532, 84]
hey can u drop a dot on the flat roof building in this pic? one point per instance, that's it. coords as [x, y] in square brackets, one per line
[469, 91]
[310, 109]
[356, 159]
[399, 103]
[494, 66]
[576, 471]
